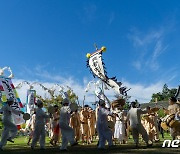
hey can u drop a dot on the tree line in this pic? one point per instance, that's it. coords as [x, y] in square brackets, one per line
[164, 95]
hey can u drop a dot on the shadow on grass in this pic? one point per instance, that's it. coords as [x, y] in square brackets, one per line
[90, 149]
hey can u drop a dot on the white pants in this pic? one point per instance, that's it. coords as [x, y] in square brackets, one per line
[119, 132]
[67, 135]
[139, 129]
[104, 134]
[39, 133]
[9, 131]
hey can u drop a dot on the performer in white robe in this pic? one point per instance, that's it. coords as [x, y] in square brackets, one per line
[66, 131]
[10, 129]
[120, 132]
[134, 116]
[104, 132]
[39, 130]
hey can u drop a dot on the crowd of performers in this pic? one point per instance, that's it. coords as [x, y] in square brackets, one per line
[107, 125]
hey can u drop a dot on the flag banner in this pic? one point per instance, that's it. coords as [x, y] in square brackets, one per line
[98, 69]
[99, 94]
[30, 101]
[8, 90]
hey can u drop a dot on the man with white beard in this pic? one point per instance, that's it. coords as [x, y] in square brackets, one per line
[9, 126]
[66, 131]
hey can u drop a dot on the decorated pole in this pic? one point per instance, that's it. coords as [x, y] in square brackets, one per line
[9, 91]
[98, 69]
[6, 68]
[98, 90]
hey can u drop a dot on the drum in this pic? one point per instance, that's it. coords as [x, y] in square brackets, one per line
[164, 126]
[169, 120]
[51, 109]
[176, 124]
[26, 116]
[73, 107]
[111, 124]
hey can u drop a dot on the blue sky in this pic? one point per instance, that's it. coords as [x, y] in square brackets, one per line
[47, 41]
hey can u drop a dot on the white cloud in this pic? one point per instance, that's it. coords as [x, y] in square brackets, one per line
[138, 91]
[149, 46]
[142, 92]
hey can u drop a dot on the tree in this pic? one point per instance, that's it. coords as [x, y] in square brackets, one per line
[157, 96]
[56, 100]
[164, 95]
[165, 92]
[161, 113]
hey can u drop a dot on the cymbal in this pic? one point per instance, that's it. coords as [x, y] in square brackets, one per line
[175, 124]
[26, 116]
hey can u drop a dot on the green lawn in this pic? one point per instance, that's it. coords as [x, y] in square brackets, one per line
[20, 146]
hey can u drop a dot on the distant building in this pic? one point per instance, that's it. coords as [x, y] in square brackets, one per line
[160, 104]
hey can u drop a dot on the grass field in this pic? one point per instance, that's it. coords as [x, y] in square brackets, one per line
[20, 146]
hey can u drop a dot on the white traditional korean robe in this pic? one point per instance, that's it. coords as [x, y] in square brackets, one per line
[39, 129]
[103, 130]
[10, 129]
[134, 115]
[66, 131]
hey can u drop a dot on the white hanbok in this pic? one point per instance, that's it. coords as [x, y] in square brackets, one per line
[119, 132]
[104, 132]
[66, 131]
[39, 129]
[10, 129]
[134, 116]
